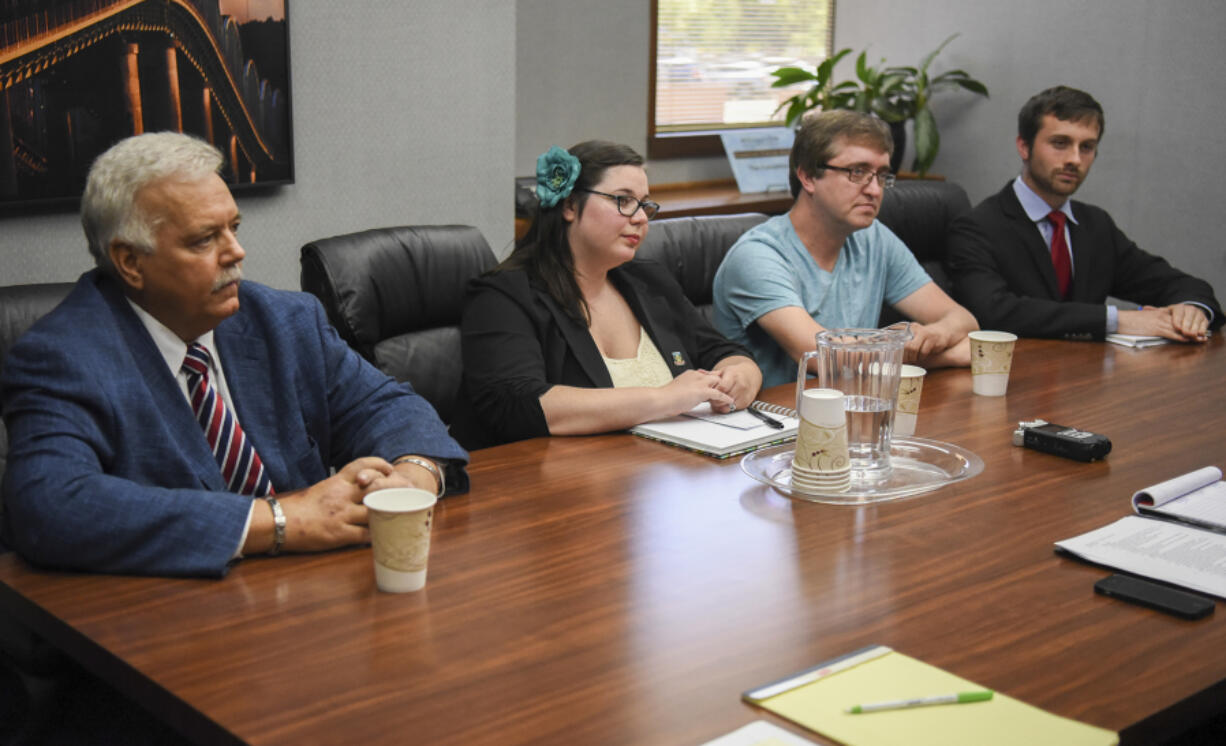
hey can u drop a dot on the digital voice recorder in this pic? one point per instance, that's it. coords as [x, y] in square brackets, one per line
[1060, 440]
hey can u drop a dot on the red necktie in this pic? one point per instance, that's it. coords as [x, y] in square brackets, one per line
[1059, 253]
[240, 464]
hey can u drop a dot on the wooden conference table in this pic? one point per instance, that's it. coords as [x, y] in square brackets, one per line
[613, 590]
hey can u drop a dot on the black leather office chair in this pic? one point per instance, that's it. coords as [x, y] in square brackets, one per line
[20, 307]
[26, 658]
[692, 249]
[920, 213]
[396, 295]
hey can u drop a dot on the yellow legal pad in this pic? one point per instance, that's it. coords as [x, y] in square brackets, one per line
[818, 699]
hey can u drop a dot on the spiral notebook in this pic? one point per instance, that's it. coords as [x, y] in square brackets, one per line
[722, 435]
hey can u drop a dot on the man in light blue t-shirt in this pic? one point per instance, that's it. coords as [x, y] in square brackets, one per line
[828, 263]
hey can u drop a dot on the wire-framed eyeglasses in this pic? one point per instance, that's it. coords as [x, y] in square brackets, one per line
[627, 205]
[859, 175]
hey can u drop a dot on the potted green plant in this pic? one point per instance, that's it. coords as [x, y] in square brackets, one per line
[896, 94]
[917, 90]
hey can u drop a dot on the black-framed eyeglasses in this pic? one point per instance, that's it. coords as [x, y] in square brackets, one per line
[627, 205]
[859, 176]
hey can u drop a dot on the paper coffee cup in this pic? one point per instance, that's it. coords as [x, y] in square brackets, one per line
[823, 407]
[400, 519]
[991, 361]
[906, 411]
[821, 461]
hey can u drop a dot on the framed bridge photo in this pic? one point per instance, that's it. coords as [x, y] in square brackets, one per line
[76, 76]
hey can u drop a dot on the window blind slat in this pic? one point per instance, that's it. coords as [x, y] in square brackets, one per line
[714, 58]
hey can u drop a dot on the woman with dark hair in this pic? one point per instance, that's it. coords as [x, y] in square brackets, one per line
[572, 335]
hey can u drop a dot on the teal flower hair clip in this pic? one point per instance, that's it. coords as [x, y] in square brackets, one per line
[556, 174]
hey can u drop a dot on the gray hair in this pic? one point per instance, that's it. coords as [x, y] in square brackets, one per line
[108, 207]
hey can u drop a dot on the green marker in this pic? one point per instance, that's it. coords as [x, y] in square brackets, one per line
[940, 699]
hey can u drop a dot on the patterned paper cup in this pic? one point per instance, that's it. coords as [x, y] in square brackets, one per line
[821, 461]
[400, 520]
[825, 481]
[991, 360]
[821, 449]
[906, 411]
[820, 485]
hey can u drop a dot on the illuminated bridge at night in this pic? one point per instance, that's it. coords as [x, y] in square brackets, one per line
[79, 74]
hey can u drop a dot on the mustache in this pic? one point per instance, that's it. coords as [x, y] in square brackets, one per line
[227, 276]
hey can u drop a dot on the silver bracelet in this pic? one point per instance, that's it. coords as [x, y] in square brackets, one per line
[429, 466]
[278, 526]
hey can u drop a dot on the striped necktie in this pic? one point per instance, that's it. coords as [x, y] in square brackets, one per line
[240, 464]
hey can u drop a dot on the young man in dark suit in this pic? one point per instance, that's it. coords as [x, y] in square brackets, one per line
[1031, 261]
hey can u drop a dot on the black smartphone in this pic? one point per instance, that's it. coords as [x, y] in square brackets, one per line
[1155, 596]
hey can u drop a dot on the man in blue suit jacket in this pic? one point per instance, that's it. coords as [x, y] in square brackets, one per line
[108, 468]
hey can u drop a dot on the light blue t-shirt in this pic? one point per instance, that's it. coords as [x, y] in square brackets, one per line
[768, 268]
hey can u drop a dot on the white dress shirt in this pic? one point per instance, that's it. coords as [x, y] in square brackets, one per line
[173, 351]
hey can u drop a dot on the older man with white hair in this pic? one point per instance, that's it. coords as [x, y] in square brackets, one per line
[169, 418]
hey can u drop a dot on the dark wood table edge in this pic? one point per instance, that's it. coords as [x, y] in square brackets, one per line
[1197, 710]
[137, 688]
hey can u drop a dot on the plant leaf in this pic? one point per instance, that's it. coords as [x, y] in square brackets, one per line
[862, 69]
[826, 68]
[891, 81]
[927, 141]
[974, 86]
[931, 55]
[795, 112]
[786, 76]
[890, 112]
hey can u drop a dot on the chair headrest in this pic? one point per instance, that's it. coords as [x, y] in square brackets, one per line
[920, 212]
[692, 248]
[384, 282]
[22, 305]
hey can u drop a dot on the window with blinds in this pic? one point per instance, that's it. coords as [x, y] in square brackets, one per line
[714, 58]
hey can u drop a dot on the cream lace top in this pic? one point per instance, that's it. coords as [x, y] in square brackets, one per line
[647, 368]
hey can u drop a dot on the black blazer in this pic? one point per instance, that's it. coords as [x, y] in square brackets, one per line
[518, 343]
[1003, 274]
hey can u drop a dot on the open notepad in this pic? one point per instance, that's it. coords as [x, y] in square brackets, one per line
[1186, 548]
[722, 435]
[818, 699]
[1198, 498]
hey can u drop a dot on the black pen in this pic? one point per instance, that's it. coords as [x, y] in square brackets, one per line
[766, 418]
